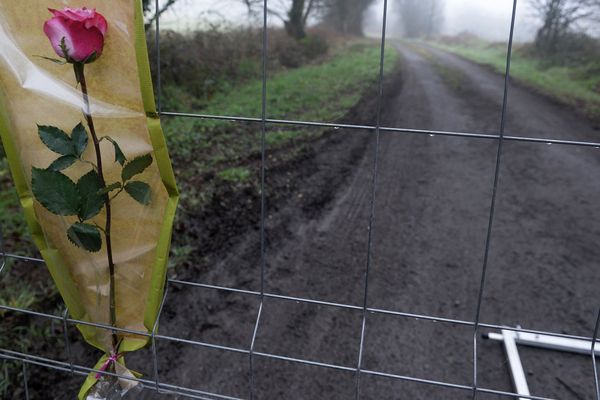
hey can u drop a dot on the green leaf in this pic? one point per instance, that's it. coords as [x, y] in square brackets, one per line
[79, 138]
[54, 60]
[136, 166]
[62, 162]
[55, 191]
[64, 48]
[56, 139]
[110, 188]
[119, 156]
[92, 201]
[140, 191]
[85, 236]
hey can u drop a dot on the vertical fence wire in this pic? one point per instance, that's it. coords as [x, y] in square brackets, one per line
[3, 251]
[251, 354]
[595, 367]
[153, 339]
[263, 134]
[263, 199]
[25, 380]
[372, 201]
[494, 195]
[3, 390]
[67, 338]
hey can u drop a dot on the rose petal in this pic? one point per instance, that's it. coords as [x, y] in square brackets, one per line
[56, 29]
[90, 17]
[75, 14]
[80, 42]
[98, 21]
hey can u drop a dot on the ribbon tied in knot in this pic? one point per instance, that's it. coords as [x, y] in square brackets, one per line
[113, 358]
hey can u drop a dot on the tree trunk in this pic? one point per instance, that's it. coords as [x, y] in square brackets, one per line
[294, 26]
[346, 16]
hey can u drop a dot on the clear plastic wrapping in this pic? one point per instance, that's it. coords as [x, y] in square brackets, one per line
[103, 230]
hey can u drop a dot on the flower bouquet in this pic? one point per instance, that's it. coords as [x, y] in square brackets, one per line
[89, 161]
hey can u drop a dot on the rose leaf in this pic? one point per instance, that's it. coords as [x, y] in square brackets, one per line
[110, 188]
[85, 236]
[79, 138]
[119, 156]
[62, 162]
[140, 192]
[136, 166]
[92, 201]
[56, 139]
[55, 191]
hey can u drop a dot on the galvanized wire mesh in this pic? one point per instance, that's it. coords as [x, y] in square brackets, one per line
[155, 382]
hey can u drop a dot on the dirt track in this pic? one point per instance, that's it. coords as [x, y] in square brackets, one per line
[432, 207]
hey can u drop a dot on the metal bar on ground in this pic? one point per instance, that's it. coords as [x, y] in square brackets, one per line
[514, 361]
[593, 354]
[548, 342]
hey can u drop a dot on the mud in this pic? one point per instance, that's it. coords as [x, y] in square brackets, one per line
[432, 206]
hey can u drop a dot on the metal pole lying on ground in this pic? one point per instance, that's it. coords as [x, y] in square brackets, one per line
[511, 339]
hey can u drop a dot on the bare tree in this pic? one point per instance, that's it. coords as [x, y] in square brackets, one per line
[346, 16]
[147, 4]
[294, 13]
[420, 18]
[560, 17]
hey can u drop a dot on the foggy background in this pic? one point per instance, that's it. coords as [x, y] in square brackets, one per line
[487, 19]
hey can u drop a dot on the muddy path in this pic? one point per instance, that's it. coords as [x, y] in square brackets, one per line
[431, 212]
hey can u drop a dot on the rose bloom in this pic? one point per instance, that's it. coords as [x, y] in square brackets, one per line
[77, 31]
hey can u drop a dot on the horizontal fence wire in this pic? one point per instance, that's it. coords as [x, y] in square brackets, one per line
[430, 132]
[193, 393]
[70, 367]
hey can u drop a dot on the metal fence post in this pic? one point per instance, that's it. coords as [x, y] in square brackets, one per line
[494, 196]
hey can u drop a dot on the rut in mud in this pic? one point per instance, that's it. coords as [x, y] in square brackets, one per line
[431, 213]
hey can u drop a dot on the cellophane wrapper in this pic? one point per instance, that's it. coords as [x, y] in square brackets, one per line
[34, 90]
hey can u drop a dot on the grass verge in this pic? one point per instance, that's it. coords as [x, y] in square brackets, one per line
[576, 86]
[208, 153]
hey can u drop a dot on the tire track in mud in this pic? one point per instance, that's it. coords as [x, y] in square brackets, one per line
[432, 208]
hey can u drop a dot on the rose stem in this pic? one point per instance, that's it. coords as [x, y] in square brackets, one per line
[111, 265]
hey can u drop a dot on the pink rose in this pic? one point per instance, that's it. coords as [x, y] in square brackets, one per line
[76, 34]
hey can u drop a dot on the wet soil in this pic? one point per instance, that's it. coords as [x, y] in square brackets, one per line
[431, 212]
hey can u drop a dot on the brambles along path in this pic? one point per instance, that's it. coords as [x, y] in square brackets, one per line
[431, 214]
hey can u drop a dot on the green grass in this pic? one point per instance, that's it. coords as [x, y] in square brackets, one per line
[314, 92]
[321, 92]
[576, 86]
[235, 174]
[12, 222]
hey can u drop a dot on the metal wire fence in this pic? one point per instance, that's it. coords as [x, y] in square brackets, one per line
[250, 352]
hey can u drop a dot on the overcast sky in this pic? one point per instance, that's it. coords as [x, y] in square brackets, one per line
[487, 18]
